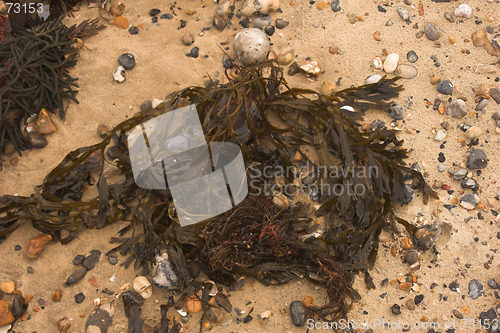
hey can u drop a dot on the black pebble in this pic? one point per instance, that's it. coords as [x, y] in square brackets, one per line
[76, 276]
[133, 30]
[154, 12]
[19, 306]
[454, 286]
[112, 260]
[17, 248]
[412, 56]
[127, 60]
[107, 291]
[30, 269]
[154, 19]
[79, 298]
[470, 184]
[112, 152]
[92, 259]
[293, 69]
[298, 313]
[396, 309]
[247, 319]
[381, 9]
[270, 30]
[418, 299]
[245, 23]
[195, 51]
[227, 63]
[492, 284]
[78, 260]
[477, 159]
[445, 87]
[441, 158]
[335, 5]
[167, 16]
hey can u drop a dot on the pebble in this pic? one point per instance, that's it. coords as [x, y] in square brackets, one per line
[389, 23]
[76, 276]
[406, 71]
[269, 30]
[167, 16]
[484, 68]
[475, 289]
[13, 161]
[264, 6]
[251, 45]
[353, 18]
[470, 184]
[435, 79]
[403, 13]
[482, 104]
[391, 62]
[454, 286]
[335, 5]
[78, 259]
[215, 315]
[154, 12]
[460, 174]
[43, 123]
[334, 49]
[9, 148]
[262, 21]
[143, 287]
[320, 5]
[431, 30]
[483, 91]
[37, 244]
[458, 314]
[474, 132]
[100, 319]
[102, 130]
[477, 159]
[117, 9]
[463, 10]
[441, 168]
[374, 78]
[397, 112]
[286, 58]
[411, 257]
[427, 235]
[127, 60]
[133, 30]
[449, 17]
[281, 24]
[376, 36]
[469, 201]
[298, 313]
[381, 9]
[492, 283]
[410, 304]
[223, 9]
[495, 94]
[412, 56]
[440, 135]
[245, 23]
[194, 53]
[293, 69]
[19, 306]
[92, 259]
[6, 316]
[327, 88]
[120, 22]
[119, 75]
[219, 22]
[452, 39]
[80, 297]
[8, 287]
[396, 309]
[445, 87]
[187, 39]
[311, 67]
[223, 301]
[457, 109]
[193, 304]
[495, 41]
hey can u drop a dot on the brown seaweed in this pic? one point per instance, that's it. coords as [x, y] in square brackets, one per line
[254, 238]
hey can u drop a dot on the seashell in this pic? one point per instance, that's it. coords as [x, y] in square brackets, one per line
[118, 76]
[311, 67]
[251, 45]
[143, 287]
[164, 274]
[348, 108]
[263, 6]
[213, 290]
[193, 304]
[374, 78]
[223, 8]
[281, 201]
[43, 123]
[377, 63]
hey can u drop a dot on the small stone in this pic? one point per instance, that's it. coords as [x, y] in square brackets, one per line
[495, 41]
[320, 5]
[335, 6]
[470, 184]
[91, 260]
[223, 301]
[427, 235]
[120, 22]
[469, 201]
[113, 260]
[492, 283]
[155, 11]
[30, 270]
[167, 16]
[102, 130]
[127, 60]
[435, 79]
[251, 45]
[460, 174]
[80, 297]
[334, 49]
[281, 24]
[445, 87]
[19, 306]
[133, 30]
[410, 304]
[477, 159]
[376, 36]
[397, 112]
[454, 286]
[264, 6]
[403, 13]
[262, 21]
[37, 244]
[449, 17]
[115, 9]
[411, 257]
[412, 56]
[374, 78]
[406, 71]
[481, 105]
[441, 168]
[389, 23]
[8, 287]
[391, 62]
[396, 309]
[298, 313]
[311, 67]
[43, 123]
[6, 316]
[223, 9]
[245, 23]
[483, 91]
[13, 161]
[452, 39]
[143, 287]
[432, 31]
[286, 58]
[269, 30]
[194, 53]
[293, 69]
[458, 314]
[475, 289]
[327, 88]
[420, 34]
[479, 38]
[440, 135]
[76, 276]
[219, 22]
[214, 315]
[57, 295]
[9, 148]
[464, 10]
[119, 75]
[474, 132]
[484, 68]
[495, 94]
[78, 259]
[457, 109]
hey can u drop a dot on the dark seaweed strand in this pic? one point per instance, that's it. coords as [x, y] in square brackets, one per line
[34, 73]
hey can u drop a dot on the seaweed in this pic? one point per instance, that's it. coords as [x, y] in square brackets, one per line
[275, 125]
[34, 74]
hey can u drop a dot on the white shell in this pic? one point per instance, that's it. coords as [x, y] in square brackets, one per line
[348, 108]
[155, 102]
[213, 290]
[311, 67]
[143, 287]
[464, 10]
[374, 78]
[163, 272]
[251, 45]
[119, 74]
[264, 6]
[377, 63]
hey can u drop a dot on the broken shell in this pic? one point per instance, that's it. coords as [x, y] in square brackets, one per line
[163, 272]
[377, 63]
[311, 67]
[118, 76]
[265, 314]
[213, 290]
[143, 287]
[43, 123]
[251, 45]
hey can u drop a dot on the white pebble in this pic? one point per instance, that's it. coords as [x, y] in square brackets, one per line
[464, 10]
[374, 78]
[391, 63]
[440, 135]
